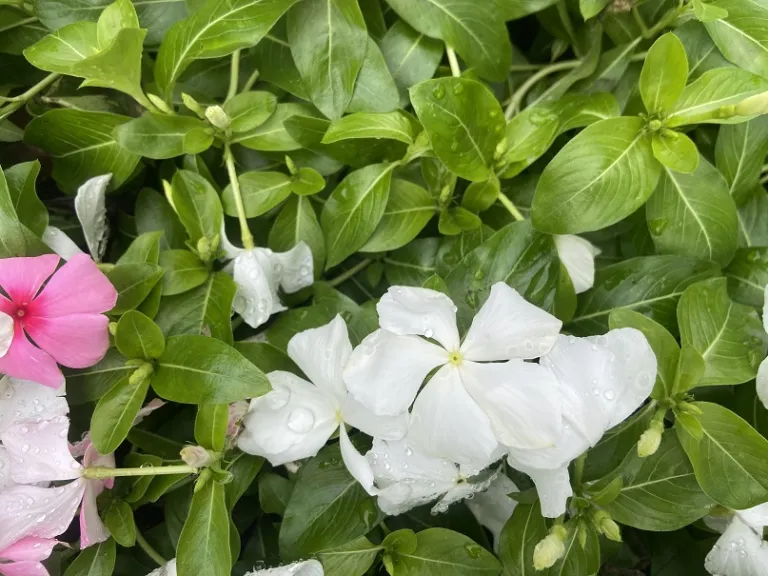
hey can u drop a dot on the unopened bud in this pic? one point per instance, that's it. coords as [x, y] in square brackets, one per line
[196, 456]
[112, 327]
[204, 249]
[654, 125]
[757, 104]
[291, 165]
[445, 195]
[144, 371]
[192, 104]
[168, 190]
[217, 117]
[726, 111]
[689, 408]
[159, 103]
[501, 147]
[551, 549]
[606, 526]
[650, 439]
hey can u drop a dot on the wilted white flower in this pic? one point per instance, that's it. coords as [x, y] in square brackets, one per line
[741, 550]
[578, 257]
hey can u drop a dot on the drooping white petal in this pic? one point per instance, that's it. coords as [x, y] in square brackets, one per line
[738, 552]
[571, 444]
[295, 269]
[755, 517]
[92, 529]
[60, 243]
[91, 210]
[762, 382]
[464, 489]
[508, 326]
[419, 311]
[292, 421]
[493, 507]
[306, 568]
[40, 451]
[578, 257]
[22, 400]
[553, 488]
[6, 333]
[256, 299]
[322, 353]
[521, 399]
[356, 463]
[167, 569]
[447, 423]
[230, 250]
[384, 427]
[386, 370]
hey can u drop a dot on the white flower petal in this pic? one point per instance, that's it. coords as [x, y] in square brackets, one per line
[230, 250]
[419, 311]
[5, 469]
[739, 552]
[356, 463]
[295, 269]
[508, 326]
[765, 308]
[6, 333]
[322, 353]
[384, 427]
[447, 423]
[463, 490]
[256, 299]
[385, 372]
[60, 243]
[762, 383]
[306, 568]
[22, 400]
[553, 488]
[568, 447]
[292, 421]
[40, 451]
[521, 399]
[92, 213]
[578, 257]
[167, 569]
[492, 508]
[756, 517]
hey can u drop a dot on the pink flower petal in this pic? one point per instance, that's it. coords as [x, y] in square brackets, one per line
[6, 306]
[29, 548]
[78, 288]
[92, 529]
[74, 340]
[24, 569]
[21, 278]
[27, 362]
[93, 457]
[40, 452]
[39, 512]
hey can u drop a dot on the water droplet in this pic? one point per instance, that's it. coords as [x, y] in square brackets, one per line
[408, 452]
[493, 114]
[473, 550]
[657, 226]
[596, 391]
[429, 333]
[438, 92]
[609, 394]
[25, 448]
[528, 345]
[277, 398]
[388, 467]
[40, 518]
[458, 88]
[304, 270]
[454, 146]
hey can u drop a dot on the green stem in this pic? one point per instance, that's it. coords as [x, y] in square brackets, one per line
[764, 179]
[510, 206]
[534, 67]
[149, 550]
[578, 470]
[347, 274]
[245, 232]
[640, 21]
[663, 22]
[18, 101]
[101, 472]
[19, 23]
[251, 80]
[565, 17]
[234, 75]
[517, 97]
[453, 61]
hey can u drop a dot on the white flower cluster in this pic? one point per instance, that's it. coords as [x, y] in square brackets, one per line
[440, 409]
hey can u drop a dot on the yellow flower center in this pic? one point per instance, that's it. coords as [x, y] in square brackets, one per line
[455, 357]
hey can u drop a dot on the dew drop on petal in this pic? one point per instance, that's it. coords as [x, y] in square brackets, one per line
[301, 420]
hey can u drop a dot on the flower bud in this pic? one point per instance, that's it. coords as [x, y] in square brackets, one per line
[192, 104]
[757, 104]
[159, 103]
[501, 147]
[650, 439]
[196, 456]
[291, 165]
[606, 526]
[445, 195]
[551, 549]
[204, 249]
[144, 371]
[654, 125]
[112, 327]
[217, 117]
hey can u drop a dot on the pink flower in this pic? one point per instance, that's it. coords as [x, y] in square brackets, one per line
[24, 557]
[65, 319]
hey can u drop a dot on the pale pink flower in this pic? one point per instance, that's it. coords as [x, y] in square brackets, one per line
[65, 319]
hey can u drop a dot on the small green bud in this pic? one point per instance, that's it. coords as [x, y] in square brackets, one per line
[501, 148]
[654, 125]
[217, 117]
[192, 104]
[205, 249]
[159, 103]
[689, 408]
[445, 195]
[112, 326]
[196, 456]
[168, 189]
[757, 104]
[144, 371]
[291, 165]
[550, 549]
[726, 111]
[606, 526]
[650, 439]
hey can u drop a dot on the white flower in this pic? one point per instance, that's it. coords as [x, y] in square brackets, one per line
[296, 418]
[762, 373]
[469, 403]
[494, 507]
[167, 569]
[578, 257]
[6, 333]
[260, 272]
[602, 380]
[306, 568]
[741, 550]
[406, 478]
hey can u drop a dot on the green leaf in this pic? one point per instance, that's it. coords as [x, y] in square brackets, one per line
[375, 89]
[261, 191]
[274, 493]
[82, 146]
[183, 271]
[393, 125]
[456, 220]
[690, 370]
[354, 209]
[701, 99]
[203, 548]
[211, 426]
[675, 150]
[464, 122]
[409, 208]
[272, 135]
[651, 484]
[741, 35]
[524, 529]
[351, 559]
[693, 215]
[297, 222]
[144, 249]
[133, 283]
[275, 62]
[97, 560]
[119, 521]
[662, 343]
[154, 213]
[328, 41]
[92, 383]
[706, 12]
[307, 181]
[328, 508]
[138, 337]
[412, 264]
[249, 110]
[739, 153]
[730, 461]
[411, 56]
[616, 174]
[201, 370]
[197, 203]
[114, 414]
[10, 132]
[479, 36]
[753, 228]
[480, 196]
[217, 28]
[729, 336]
[26, 206]
[748, 275]
[578, 559]
[650, 285]
[162, 136]
[441, 552]
[664, 74]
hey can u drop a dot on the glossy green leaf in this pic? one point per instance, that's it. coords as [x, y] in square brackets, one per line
[154, 213]
[394, 126]
[183, 271]
[411, 56]
[133, 283]
[211, 426]
[739, 154]
[203, 548]
[261, 191]
[197, 204]
[115, 412]
[96, 560]
[675, 151]
[664, 74]
[249, 110]
[274, 493]
[441, 552]
[119, 521]
[297, 222]
[161, 136]
[412, 264]
[480, 196]
[307, 181]
[740, 35]
[23, 198]
[144, 249]
[456, 220]
[753, 229]
[525, 528]
[351, 559]
[272, 135]
[138, 337]
[748, 275]
[92, 383]
[375, 89]
[275, 62]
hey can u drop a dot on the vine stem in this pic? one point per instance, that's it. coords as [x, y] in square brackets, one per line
[347, 274]
[251, 80]
[18, 101]
[19, 23]
[565, 18]
[453, 61]
[245, 232]
[517, 97]
[234, 75]
[101, 472]
[511, 208]
[149, 550]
